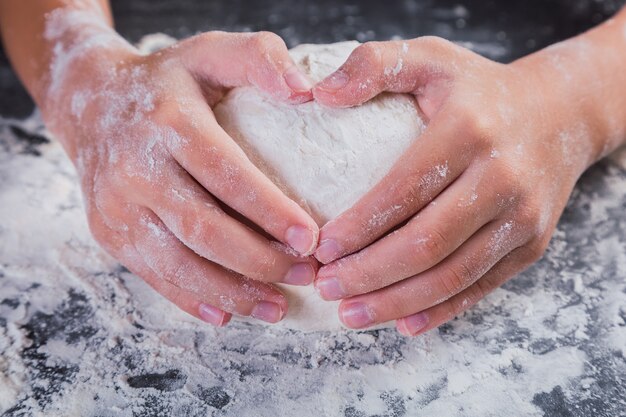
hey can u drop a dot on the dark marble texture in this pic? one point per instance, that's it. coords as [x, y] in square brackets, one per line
[79, 335]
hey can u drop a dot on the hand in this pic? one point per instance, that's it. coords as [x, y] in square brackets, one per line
[167, 191]
[472, 202]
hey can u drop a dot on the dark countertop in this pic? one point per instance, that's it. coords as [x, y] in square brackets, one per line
[81, 336]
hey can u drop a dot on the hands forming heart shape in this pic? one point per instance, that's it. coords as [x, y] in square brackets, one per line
[471, 203]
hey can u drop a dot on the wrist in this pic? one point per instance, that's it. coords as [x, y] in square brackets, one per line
[79, 45]
[556, 115]
[84, 54]
[582, 86]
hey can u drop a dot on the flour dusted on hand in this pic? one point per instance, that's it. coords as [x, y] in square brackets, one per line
[323, 158]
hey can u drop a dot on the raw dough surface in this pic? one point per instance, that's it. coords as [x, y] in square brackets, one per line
[323, 158]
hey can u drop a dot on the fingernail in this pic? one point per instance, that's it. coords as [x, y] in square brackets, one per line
[296, 80]
[301, 239]
[335, 81]
[212, 315]
[300, 274]
[412, 325]
[267, 311]
[327, 251]
[357, 315]
[329, 289]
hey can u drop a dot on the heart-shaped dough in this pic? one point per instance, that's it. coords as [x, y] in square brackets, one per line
[324, 158]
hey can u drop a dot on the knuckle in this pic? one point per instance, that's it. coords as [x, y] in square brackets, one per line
[529, 214]
[534, 250]
[125, 180]
[510, 177]
[397, 307]
[508, 188]
[104, 199]
[433, 245]
[212, 159]
[509, 183]
[367, 224]
[362, 225]
[487, 283]
[166, 113]
[174, 273]
[370, 53]
[120, 176]
[97, 229]
[108, 210]
[459, 306]
[413, 189]
[453, 279]
[356, 279]
[477, 292]
[434, 43]
[470, 297]
[128, 172]
[481, 127]
[173, 265]
[199, 226]
[266, 42]
[213, 35]
[203, 39]
[262, 268]
[363, 281]
[368, 50]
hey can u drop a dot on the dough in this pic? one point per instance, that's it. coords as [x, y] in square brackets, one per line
[323, 158]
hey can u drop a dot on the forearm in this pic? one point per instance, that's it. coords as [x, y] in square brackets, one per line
[586, 78]
[63, 51]
[39, 34]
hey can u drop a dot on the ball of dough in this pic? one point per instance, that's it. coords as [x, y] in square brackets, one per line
[323, 158]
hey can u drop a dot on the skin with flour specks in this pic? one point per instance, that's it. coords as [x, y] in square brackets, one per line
[505, 143]
[480, 191]
[157, 172]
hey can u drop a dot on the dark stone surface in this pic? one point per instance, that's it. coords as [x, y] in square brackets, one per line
[526, 25]
[234, 360]
[215, 397]
[171, 380]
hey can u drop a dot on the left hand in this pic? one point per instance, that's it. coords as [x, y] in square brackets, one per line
[472, 202]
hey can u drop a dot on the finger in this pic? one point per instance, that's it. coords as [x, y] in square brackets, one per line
[440, 283]
[173, 262]
[187, 301]
[394, 66]
[420, 174]
[439, 314]
[118, 246]
[423, 242]
[222, 168]
[237, 59]
[196, 219]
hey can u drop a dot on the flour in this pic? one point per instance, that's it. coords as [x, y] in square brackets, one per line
[94, 34]
[324, 158]
[76, 329]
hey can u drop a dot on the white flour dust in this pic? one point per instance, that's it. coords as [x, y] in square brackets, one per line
[81, 336]
[324, 158]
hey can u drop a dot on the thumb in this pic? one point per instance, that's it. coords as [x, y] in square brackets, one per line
[394, 66]
[260, 59]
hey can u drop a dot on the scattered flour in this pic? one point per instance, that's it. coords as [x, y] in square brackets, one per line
[94, 33]
[75, 327]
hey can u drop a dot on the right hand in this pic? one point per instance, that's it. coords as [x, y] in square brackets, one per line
[167, 191]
